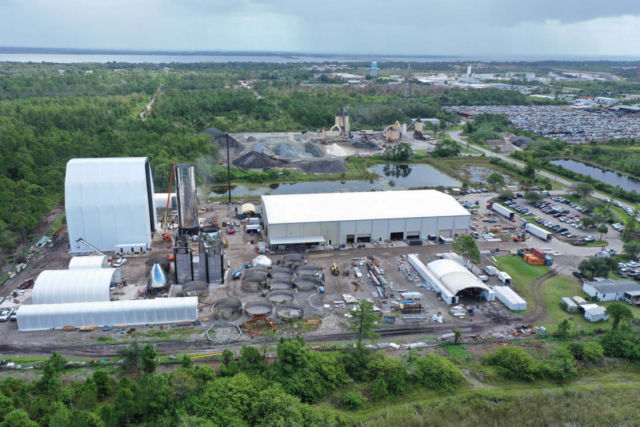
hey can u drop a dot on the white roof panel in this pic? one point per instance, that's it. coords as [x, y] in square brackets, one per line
[326, 207]
[90, 262]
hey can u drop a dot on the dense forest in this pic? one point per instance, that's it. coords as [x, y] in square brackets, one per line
[343, 386]
[50, 113]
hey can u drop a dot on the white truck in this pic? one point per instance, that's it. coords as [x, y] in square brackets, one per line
[507, 213]
[253, 225]
[538, 232]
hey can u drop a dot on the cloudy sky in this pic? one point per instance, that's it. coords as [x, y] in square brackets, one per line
[452, 27]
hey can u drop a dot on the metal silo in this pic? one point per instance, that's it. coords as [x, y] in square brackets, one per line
[187, 198]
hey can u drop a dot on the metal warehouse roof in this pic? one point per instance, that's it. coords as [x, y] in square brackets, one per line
[454, 276]
[609, 285]
[327, 207]
[66, 286]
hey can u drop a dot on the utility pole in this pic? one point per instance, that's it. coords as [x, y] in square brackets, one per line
[229, 176]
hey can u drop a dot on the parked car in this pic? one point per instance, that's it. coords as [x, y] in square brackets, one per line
[5, 314]
[26, 284]
[119, 262]
[14, 316]
[589, 239]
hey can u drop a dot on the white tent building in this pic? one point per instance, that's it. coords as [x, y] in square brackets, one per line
[131, 312]
[339, 218]
[68, 286]
[109, 203]
[450, 279]
[509, 298]
[89, 262]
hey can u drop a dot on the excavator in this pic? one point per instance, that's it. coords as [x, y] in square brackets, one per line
[520, 237]
[334, 269]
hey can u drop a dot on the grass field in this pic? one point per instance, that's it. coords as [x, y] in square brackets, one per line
[597, 403]
[522, 274]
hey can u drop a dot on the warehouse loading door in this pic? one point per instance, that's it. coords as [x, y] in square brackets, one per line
[413, 235]
[399, 235]
[351, 238]
[364, 238]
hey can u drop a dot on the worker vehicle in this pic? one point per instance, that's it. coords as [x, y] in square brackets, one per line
[5, 314]
[334, 269]
[236, 274]
[537, 231]
[231, 230]
[502, 211]
[119, 262]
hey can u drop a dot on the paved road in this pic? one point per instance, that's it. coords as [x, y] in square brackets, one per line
[457, 135]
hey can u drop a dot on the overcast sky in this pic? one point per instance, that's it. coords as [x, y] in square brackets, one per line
[436, 27]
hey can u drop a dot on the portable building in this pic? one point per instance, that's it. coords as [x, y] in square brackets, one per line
[504, 278]
[109, 203]
[89, 262]
[130, 312]
[509, 298]
[69, 286]
[341, 218]
[608, 289]
[594, 312]
[569, 305]
[579, 300]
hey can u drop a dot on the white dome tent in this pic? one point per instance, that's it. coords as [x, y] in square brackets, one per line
[261, 261]
[68, 286]
[89, 262]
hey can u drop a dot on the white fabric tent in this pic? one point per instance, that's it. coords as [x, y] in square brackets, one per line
[109, 203]
[131, 312]
[65, 286]
[89, 262]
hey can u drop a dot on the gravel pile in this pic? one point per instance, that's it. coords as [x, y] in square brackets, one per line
[256, 160]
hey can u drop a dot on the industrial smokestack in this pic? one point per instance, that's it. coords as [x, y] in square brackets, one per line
[187, 198]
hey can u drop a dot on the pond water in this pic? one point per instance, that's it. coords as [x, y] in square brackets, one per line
[403, 176]
[608, 177]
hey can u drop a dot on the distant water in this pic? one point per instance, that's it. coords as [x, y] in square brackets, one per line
[69, 58]
[66, 56]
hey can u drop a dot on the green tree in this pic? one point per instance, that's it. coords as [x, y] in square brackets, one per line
[250, 359]
[595, 267]
[363, 320]
[532, 197]
[496, 180]
[352, 400]
[618, 312]
[515, 363]
[457, 336]
[447, 147]
[436, 372]
[563, 329]
[529, 171]
[186, 363]
[149, 356]
[18, 418]
[104, 384]
[602, 229]
[124, 406]
[582, 189]
[466, 247]
[50, 381]
[632, 248]
[131, 358]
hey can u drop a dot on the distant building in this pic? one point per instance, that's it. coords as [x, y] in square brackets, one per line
[529, 76]
[374, 69]
[605, 100]
[469, 70]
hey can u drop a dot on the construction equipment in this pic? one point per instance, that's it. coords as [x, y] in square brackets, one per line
[334, 269]
[236, 274]
[90, 246]
[520, 237]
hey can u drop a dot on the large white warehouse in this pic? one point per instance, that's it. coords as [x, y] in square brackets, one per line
[66, 286]
[337, 218]
[109, 203]
[132, 312]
